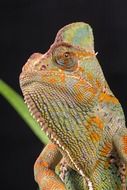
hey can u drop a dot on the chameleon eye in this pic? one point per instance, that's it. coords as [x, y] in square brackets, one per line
[65, 58]
[66, 54]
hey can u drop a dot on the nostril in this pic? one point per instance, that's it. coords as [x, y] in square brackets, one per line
[43, 67]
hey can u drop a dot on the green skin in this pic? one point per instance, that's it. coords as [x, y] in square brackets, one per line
[67, 94]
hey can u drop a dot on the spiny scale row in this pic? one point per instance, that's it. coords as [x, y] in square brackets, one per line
[38, 117]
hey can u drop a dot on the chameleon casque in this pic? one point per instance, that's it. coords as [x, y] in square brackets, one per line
[66, 92]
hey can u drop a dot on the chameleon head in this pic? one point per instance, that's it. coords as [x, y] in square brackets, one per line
[59, 86]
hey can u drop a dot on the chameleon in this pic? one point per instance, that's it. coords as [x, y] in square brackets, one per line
[67, 94]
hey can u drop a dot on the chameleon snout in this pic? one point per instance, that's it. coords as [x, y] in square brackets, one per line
[33, 63]
[37, 63]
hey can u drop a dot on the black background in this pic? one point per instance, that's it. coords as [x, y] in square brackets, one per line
[28, 26]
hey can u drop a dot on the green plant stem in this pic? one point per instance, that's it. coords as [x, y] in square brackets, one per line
[18, 104]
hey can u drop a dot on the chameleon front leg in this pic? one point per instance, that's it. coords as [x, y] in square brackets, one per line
[44, 169]
[120, 144]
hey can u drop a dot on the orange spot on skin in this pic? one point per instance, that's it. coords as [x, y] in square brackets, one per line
[53, 184]
[92, 90]
[49, 173]
[98, 162]
[125, 144]
[40, 178]
[80, 69]
[79, 83]
[62, 78]
[94, 122]
[97, 121]
[98, 84]
[106, 149]
[80, 54]
[52, 80]
[96, 165]
[48, 180]
[51, 146]
[54, 76]
[44, 164]
[84, 91]
[80, 97]
[108, 98]
[95, 136]
[90, 77]
[107, 164]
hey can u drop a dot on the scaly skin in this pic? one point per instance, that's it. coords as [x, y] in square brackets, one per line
[66, 92]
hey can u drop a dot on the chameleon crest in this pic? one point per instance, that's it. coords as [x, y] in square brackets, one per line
[67, 94]
[78, 35]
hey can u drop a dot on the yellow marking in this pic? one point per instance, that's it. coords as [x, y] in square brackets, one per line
[63, 78]
[81, 69]
[51, 146]
[108, 98]
[44, 164]
[94, 136]
[49, 173]
[90, 77]
[92, 80]
[86, 86]
[125, 144]
[98, 83]
[107, 164]
[106, 149]
[52, 80]
[80, 97]
[60, 78]
[92, 90]
[98, 162]
[96, 120]
[84, 94]
[80, 83]
[80, 54]
[53, 69]
[96, 165]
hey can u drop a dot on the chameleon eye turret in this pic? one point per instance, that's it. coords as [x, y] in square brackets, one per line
[65, 58]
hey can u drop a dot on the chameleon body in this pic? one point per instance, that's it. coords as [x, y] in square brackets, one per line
[66, 92]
